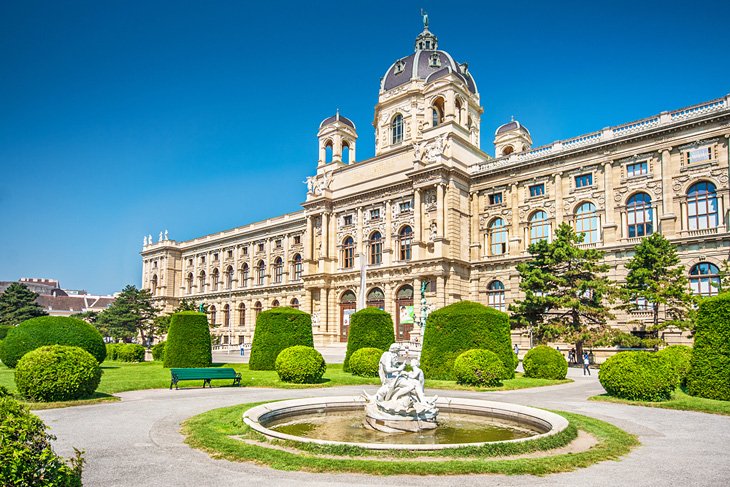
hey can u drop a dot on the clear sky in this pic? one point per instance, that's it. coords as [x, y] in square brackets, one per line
[124, 118]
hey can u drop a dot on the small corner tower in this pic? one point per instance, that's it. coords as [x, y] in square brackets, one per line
[337, 137]
[511, 137]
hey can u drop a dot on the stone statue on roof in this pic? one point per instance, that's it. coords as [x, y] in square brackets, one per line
[424, 14]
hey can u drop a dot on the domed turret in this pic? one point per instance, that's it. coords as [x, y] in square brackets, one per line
[511, 137]
[337, 136]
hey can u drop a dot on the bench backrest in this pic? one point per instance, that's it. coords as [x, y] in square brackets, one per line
[204, 373]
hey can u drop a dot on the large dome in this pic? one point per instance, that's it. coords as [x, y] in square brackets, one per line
[426, 65]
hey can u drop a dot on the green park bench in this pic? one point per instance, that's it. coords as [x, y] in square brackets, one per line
[206, 374]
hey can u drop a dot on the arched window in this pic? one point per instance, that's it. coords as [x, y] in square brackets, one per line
[457, 108]
[213, 315]
[507, 150]
[229, 277]
[257, 307]
[396, 128]
[375, 298]
[153, 285]
[405, 239]
[586, 222]
[275, 303]
[328, 151]
[702, 206]
[241, 314]
[640, 216]
[189, 283]
[215, 277]
[539, 227]
[244, 275]
[260, 273]
[437, 112]
[345, 152]
[227, 315]
[297, 267]
[278, 270]
[201, 281]
[704, 279]
[495, 295]
[376, 248]
[348, 253]
[294, 303]
[497, 237]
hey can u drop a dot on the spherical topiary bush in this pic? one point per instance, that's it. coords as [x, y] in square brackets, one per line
[277, 329]
[158, 351]
[709, 374]
[678, 357]
[365, 362]
[57, 373]
[300, 365]
[51, 330]
[543, 362]
[638, 376]
[478, 367]
[369, 328]
[130, 352]
[188, 341]
[463, 326]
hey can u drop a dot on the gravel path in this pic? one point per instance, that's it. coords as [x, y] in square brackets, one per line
[136, 442]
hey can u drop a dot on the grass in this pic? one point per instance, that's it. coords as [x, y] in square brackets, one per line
[680, 400]
[124, 376]
[214, 430]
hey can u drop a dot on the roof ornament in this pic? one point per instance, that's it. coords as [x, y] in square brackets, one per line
[424, 14]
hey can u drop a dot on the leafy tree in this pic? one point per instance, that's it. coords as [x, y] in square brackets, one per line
[565, 291]
[657, 276]
[162, 321]
[131, 314]
[87, 316]
[17, 304]
[186, 305]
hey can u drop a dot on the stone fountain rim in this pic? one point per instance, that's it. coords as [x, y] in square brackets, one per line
[252, 417]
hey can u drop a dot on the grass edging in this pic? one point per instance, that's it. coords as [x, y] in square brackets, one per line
[680, 401]
[213, 433]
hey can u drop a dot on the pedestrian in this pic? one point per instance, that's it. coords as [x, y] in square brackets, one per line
[571, 356]
[586, 362]
[517, 349]
[241, 349]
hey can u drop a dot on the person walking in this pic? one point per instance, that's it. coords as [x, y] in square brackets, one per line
[586, 363]
[241, 349]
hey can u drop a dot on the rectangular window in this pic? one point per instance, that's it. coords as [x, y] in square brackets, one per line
[584, 180]
[190, 261]
[278, 244]
[215, 256]
[348, 220]
[537, 190]
[245, 251]
[375, 214]
[637, 169]
[230, 254]
[495, 199]
[202, 260]
[405, 206]
[700, 154]
[297, 240]
[261, 247]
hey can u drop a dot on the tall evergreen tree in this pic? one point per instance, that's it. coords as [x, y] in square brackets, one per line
[657, 280]
[131, 314]
[566, 290]
[17, 304]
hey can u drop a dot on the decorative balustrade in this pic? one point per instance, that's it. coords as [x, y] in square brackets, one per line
[604, 135]
[698, 233]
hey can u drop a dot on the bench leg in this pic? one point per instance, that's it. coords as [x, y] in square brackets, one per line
[237, 382]
[206, 381]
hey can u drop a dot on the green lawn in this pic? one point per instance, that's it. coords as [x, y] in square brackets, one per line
[680, 400]
[123, 376]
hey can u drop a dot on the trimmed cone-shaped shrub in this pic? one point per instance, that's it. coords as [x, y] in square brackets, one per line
[678, 357]
[57, 373]
[463, 326]
[277, 329]
[369, 327]
[51, 330]
[130, 352]
[158, 351]
[365, 362]
[188, 341]
[543, 362]
[301, 365]
[638, 376]
[479, 367]
[26, 456]
[709, 374]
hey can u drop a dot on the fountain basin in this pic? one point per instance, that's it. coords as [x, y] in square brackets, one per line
[538, 422]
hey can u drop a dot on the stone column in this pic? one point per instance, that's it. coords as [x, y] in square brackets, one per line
[389, 247]
[450, 107]
[609, 225]
[359, 244]
[475, 238]
[440, 210]
[324, 315]
[417, 234]
[668, 221]
[514, 241]
[558, 199]
[308, 241]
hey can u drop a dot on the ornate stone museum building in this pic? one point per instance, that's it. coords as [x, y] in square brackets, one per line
[431, 206]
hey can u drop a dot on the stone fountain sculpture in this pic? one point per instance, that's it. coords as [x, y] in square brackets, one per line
[400, 405]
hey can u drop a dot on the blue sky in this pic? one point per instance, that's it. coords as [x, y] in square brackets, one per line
[123, 118]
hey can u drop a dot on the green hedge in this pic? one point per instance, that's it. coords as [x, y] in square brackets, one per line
[112, 349]
[300, 365]
[679, 358]
[57, 373]
[158, 351]
[4, 330]
[188, 341]
[26, 456]
[369, 328]
[277, 329]
[365, 362]
[638, 376]
[709, 375]
[130, 352]
[51, 330]
[478, 367]
[463, 326]
[543, 362]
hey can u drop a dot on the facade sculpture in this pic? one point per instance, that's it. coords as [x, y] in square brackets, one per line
[431, 205]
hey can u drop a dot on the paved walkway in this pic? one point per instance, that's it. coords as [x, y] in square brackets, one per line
[136, 442]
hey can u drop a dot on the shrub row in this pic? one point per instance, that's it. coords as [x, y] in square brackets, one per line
[276, 330]
[709, 374]
[369, 328]
[158, 351]
[300, 364]
[638, 376]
